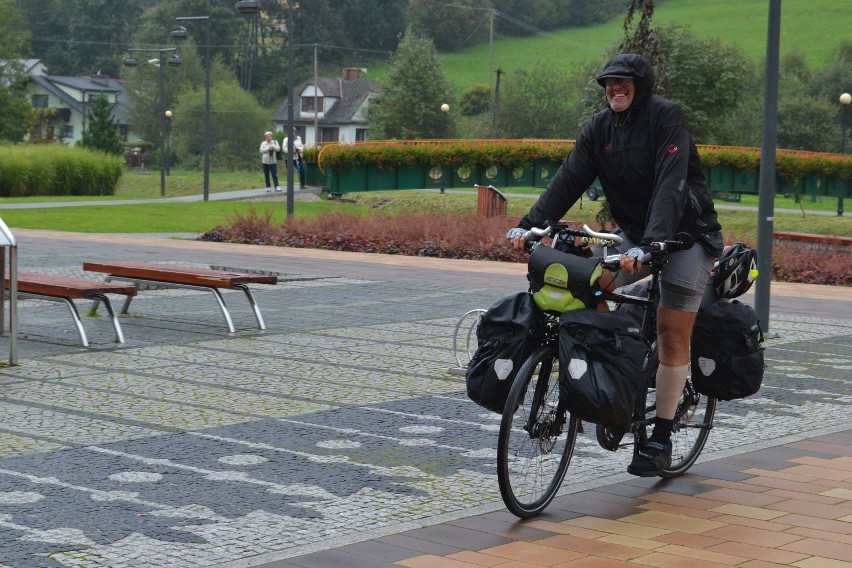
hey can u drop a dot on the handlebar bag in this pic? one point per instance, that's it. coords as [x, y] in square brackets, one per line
[601, 357]
[507, 334]
[561, 282]
[727, 351]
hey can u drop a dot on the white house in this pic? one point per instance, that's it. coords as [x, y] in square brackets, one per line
[330, 109]
[69, 101]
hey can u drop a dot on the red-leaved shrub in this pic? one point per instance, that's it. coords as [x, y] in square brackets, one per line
[469, 236]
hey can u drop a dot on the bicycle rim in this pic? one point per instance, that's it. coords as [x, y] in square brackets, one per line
[692, 425]
[532, 465]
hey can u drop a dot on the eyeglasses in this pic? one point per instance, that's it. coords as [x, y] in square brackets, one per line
[611, 81]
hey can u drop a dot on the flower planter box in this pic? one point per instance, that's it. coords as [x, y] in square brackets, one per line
[837, 187]
[814, 185]
[379, 179]
[544, 172]
[466, 176]
[494, 175]
[747, 181]
[411, 177]
[521, 176]
[313, 175]
[347, 179]
[722, 178]
[438, 177]
[790, 186]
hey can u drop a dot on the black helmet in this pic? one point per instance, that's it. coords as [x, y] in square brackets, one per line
[735, 271]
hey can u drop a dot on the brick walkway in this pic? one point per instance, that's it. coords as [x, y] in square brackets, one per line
[789, 505]
[339, 436]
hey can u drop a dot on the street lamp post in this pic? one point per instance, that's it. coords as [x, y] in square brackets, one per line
[174, 61]
[844, 99]
[168, 142]
[445, 108]
[181, 33]
[250, 7]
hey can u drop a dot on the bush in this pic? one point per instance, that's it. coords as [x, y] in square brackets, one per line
[467, 236]
[54, 169]
[475, 100]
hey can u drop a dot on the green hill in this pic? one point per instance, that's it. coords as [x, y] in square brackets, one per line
[812, 27]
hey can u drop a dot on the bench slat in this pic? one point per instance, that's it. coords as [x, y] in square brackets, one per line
[178, 274]
[67, 286]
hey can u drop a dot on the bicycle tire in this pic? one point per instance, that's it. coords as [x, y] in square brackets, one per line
[532, 465]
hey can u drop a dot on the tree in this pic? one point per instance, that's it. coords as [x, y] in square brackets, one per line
[707, 79]
[14, 109]
[82, 36]
[533, 104]
[645, 41]
[452, 25]
[15, 116]
[475, 100]
[102, 132]
[236, 131]
[805, 123]
[412, 92]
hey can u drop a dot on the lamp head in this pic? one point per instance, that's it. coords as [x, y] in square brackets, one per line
[845, 99]
[247, 7]
[179, 33]
[445, 107]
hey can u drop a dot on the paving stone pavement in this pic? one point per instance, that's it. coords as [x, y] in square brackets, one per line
[189, 446]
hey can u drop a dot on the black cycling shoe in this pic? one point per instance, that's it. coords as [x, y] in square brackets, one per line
[652, 460]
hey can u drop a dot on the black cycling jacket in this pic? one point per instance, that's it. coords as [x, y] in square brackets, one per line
[647, 164]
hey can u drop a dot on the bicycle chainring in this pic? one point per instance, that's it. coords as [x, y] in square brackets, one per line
[609, 437]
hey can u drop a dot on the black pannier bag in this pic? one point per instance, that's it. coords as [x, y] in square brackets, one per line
[601, 356]
[727, 355]
[560, 281]
[507, 334]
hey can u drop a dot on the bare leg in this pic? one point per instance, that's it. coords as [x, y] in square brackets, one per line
[674, 332]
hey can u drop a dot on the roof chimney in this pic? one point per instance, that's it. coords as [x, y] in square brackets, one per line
[351, 73]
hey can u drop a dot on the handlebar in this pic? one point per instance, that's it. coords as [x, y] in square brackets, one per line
[580, 238]
[585, 236]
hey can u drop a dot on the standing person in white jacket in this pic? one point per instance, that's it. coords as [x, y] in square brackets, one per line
[298, 164]
[269, 149]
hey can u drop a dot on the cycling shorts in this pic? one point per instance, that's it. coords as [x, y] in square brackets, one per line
[683, 281]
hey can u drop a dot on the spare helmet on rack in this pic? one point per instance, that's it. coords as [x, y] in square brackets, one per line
[735, 271]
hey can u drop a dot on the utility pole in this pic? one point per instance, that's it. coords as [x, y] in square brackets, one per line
[496, 109]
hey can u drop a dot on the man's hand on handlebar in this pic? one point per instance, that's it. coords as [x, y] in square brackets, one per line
[517, 238]
[632, 260]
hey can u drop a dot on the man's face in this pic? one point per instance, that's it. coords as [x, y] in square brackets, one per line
[619, 93]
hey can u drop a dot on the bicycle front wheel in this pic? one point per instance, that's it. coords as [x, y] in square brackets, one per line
[536, 438]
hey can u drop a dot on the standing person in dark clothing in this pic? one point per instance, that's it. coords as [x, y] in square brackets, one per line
[650, 172]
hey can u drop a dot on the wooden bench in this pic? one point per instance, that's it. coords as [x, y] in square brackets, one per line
[179, 276]
[65, 289]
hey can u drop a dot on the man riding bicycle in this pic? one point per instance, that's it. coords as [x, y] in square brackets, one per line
[646, 160]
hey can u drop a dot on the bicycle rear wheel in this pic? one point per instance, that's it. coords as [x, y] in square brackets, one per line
[692, 424]
[536, 438]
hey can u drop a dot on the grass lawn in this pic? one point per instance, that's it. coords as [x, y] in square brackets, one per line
[814, 28]
[199, 217]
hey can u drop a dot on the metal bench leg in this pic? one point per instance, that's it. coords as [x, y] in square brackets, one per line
[77, 321]
[224, 309]
[254, 306]
[119, 336]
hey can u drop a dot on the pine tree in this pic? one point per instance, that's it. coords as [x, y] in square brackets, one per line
[102, 132]
[409, 104]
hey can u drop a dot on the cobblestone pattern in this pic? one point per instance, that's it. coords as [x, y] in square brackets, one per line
[190, 447]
